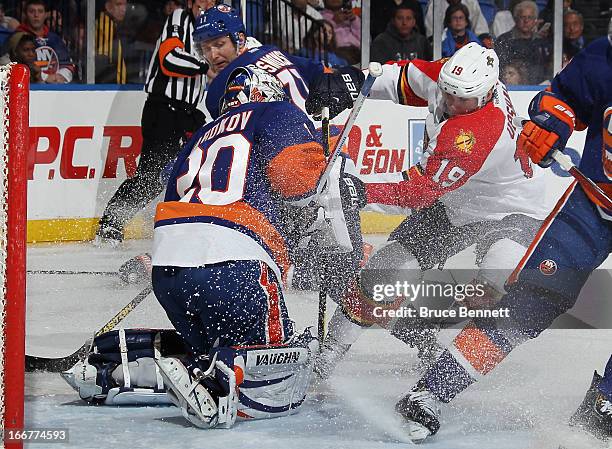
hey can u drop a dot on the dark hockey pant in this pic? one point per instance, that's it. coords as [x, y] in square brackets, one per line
[224, 304]
[573, 241]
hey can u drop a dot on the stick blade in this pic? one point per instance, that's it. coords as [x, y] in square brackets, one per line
[33, 363]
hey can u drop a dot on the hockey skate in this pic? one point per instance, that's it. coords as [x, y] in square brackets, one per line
[420, 411]
[595, 413]
[186, 392]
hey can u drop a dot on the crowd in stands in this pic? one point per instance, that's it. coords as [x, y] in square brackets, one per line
[33, 32]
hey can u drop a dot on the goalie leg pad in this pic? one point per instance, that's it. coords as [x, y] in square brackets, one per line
[274, 378]
[121, 371]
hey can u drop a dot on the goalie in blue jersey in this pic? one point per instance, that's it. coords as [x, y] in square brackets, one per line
[220, 257]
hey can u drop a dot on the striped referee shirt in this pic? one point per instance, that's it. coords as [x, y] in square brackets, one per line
[175, 71]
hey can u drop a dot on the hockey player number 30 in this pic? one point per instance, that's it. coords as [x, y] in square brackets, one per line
[453, 175]
[203, 170]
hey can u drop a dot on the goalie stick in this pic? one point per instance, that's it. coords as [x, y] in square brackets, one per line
[323, 275]
[566, 164]
[33, 363]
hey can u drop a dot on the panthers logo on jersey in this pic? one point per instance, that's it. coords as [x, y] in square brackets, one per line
[465, 141]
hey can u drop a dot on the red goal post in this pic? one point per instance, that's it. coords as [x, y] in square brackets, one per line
[14, 142]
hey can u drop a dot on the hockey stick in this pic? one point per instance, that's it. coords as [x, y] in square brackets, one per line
[587, 184]
[97, 273]
[323, 274]
[34, 363]
[375, 70]
[566, 164]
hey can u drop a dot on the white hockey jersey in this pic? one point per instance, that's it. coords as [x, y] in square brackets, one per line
[471, 162]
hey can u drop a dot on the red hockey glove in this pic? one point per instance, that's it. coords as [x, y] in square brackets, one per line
[552, 123]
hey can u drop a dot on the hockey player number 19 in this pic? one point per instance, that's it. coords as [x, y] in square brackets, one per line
[202, 166]
[453, 175]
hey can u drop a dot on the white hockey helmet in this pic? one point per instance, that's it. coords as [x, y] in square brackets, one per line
[250, 84]
[470, 73]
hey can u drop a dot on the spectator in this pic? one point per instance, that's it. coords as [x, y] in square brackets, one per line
[5, 32]
[52, 56]
[170, 6]
[313, 47]
[347, 27]
[149, 32]
[294, 23]
[515, 73]
[522, 42]
[458, 32]
[400, 40]
[548, 13]
[479, 23]
[110, 61]
[380, 16]
[487, 40]
[502, 23]
[7, 22]
[316, 4]
[21, 48]
[573, 27]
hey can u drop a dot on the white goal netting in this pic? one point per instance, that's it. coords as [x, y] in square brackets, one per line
[4, 92]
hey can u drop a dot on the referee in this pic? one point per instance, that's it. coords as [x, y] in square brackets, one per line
[175, 87]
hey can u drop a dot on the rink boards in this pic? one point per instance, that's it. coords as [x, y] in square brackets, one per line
[83, 143]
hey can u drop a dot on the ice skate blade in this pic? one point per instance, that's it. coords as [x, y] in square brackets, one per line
[417, 433]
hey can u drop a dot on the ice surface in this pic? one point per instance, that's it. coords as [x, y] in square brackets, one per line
[523, 404]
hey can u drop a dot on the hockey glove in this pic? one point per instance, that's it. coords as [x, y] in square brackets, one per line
[337, 90]
[552, 123]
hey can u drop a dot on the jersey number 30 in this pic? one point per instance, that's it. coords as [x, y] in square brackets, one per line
[216, 174]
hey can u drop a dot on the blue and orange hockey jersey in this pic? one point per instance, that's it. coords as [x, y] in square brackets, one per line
[224, 196]
[294, 72]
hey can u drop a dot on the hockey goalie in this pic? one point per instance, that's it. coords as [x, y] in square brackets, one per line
[221, 252]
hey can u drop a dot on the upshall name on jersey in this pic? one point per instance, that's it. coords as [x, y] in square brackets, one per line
[273, 62]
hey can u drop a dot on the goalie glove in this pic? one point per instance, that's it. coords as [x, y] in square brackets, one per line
[338, 90]
[342, 196]
[552, 122]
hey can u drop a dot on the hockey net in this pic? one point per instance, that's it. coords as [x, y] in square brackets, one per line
[14, 96]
